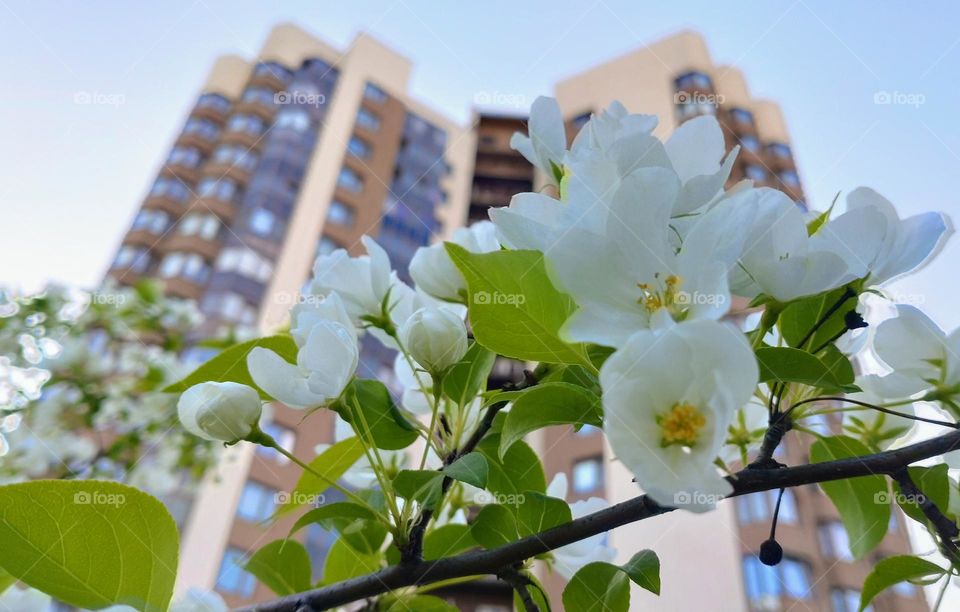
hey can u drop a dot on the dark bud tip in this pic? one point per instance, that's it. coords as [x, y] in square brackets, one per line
[771, 553]
[854, 320]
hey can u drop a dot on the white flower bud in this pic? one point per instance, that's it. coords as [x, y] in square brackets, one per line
[435, 337]
[224, 411]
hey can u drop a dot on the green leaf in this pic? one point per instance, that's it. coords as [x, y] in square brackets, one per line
[324, 515]
[88, 543]
[515, 310]
[814, 226]
[447, 540]
[519, 470]
[344, 563]
[801, 316]
[6, 580]
[934, 483]
[424, 486]
[892, 570]
[644, 569]
[471, 468]
[550, 404]
[863, 502]
[784, 364]
[538, 512]
[331, 465]
[838, 364]
[231, 364]
[494, 526]
[420, 603]
[469, 377]
[282, 565]
[598, 587]
[388, 427]
[356, 524]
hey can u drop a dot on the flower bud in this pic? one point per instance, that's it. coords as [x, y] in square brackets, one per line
[226, 411]
[435, 337]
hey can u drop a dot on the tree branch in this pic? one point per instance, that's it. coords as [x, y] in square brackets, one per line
[479, 562]
[944, 526]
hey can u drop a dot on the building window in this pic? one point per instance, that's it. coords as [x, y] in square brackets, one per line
[750, 143]
[350, 180]
[790, 177]
[235, 156]
[759, 507]
[262, 222]
[202, 128]
[248, 124]
[231, 306]
[779, 150]
[293, 119]
[284, 436]
[755, 173]
[257, 502]
[221, 189]
[340, 213]
[165, 187]
[204, 225]
[185, 265]
[741, 116]
[358, 147]
[153, 221]
[232, 578]
[587, 475]
[326, 245]
[689, 108]
[214, 101]
[246, 263]
[846, 600]
[833, 541]
[272, 69]
[693, 80]
[258, 95]
[368, 120]
[184, 156]
[133, 258]
[374, 94]
[765, 585]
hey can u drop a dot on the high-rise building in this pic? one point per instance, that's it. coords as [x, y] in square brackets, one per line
[307, 148]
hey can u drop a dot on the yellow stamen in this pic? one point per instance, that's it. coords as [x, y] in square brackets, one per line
[681, 425]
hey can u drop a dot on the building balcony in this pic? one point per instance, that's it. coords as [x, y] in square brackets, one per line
[490, 197]
[165, 203]
[187, 174]
[210, 113]
[265, 78]
[201, 143]
[221, 170]
[208, 249]
[260, 109]
[183, 288]
[223, 209]
[248, 141]
[142, 238]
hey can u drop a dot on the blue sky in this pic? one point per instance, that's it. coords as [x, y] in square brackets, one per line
[71, 175]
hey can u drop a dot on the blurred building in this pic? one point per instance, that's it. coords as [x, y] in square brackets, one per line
[306, 148]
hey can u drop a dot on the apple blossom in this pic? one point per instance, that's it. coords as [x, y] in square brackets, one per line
[362, 282]
[433, 271]
[436, 338]
[669, 399]
[226, 411]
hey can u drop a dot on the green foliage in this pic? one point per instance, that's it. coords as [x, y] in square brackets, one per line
[556, 403]
[514, 309]
[605, 587]
[785, 364]
[472, 469]
[518, 471]
[420, 603]
[331, 465]
[801, 316]
[863, 502]
[934, 483]
[89, 543]
[343, 563]
[325, 515]
[389, 429]
[282, 565]
[538, 512]
[231, 364]
[447, 540]
[424, 486]
[495, 525]
[892, 570]
[469, 377]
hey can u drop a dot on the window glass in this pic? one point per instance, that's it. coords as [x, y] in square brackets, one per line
[358, 147]
[169, 188]
[742, 116]
[340, 213]
[257, 502]
[232, 578]
[790, 177]
[293, 118]
[326, 246]
[259, 95]
[368, 120]
[755, 173]
[262, 222]
[201, 127]
[587, 475]
[221, 189]
[245, 262]
[284, 436]
[350, 180]
[131, 257]
[184, 156]
[215, 101]
[833, 541]
[153, 221]
[245, 123]
[779, 150]
[374, 93]
[750, 143]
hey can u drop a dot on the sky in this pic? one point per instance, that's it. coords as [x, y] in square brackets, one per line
[72, 173]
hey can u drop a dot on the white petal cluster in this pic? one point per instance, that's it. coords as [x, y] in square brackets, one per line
[225, 411]
[434, 272]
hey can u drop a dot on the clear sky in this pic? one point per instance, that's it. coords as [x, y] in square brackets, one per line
[72, 174]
